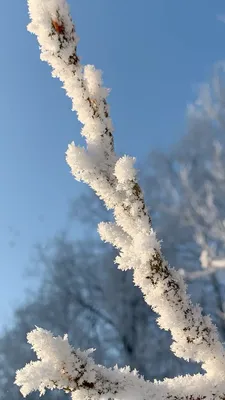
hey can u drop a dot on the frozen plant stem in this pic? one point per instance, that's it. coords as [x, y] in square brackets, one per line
[114, 180]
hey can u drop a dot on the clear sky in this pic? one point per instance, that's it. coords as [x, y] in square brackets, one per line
[152, 52]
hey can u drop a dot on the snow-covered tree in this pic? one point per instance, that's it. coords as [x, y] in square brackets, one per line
[186, 188]
[114, 179]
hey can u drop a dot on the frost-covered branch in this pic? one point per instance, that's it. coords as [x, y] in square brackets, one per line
[114, 180]
[60, 366]
[53, 26]
[195, 337]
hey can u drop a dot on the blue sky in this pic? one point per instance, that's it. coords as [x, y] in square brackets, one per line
[152, 52]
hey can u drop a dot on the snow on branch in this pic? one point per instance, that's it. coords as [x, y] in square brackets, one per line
[115, 181]
[53, 26]
[60, 366]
